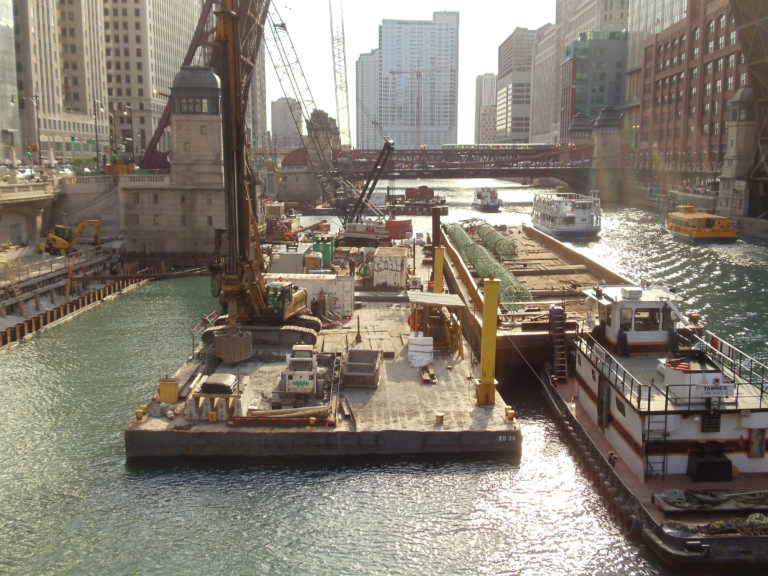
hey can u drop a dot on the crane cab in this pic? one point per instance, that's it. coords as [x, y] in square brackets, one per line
[284, 300]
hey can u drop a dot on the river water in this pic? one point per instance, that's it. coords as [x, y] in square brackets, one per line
[69, 504]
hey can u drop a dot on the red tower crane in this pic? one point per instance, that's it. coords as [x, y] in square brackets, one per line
[419, 86]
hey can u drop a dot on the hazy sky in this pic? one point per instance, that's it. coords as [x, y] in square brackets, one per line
[483, 26]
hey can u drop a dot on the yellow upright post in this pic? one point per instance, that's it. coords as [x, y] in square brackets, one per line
[486, 386]
[439, 259]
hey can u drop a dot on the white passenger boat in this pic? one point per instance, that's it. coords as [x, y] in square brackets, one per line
[670, 422]
[486, 200]
[566, 215]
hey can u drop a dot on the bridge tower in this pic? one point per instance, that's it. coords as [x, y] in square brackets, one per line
[608, 159]
[196, 139]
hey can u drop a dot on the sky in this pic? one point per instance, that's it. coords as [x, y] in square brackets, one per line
[483, 26]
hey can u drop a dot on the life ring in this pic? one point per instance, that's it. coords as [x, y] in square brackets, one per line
[414, 321]
[714, 342]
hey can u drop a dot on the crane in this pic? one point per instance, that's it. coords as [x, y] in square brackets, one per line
[294, 84]
[203, 49]
[236, 268]
[418, 83]
[340, 71]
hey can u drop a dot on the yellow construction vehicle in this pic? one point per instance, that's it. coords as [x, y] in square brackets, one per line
[253, 309]
[65, 238]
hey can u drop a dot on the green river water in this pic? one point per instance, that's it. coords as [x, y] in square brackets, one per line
[69, 504]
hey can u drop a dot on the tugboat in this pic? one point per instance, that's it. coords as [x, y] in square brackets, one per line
[486, 200]
[670, 422]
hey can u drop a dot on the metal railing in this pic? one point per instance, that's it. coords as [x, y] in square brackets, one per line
[623, 382]
[739, 367]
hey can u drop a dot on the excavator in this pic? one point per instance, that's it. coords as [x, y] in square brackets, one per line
[64, 238]
[254, 310]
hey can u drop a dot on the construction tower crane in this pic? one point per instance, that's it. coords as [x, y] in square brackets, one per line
[340, 71]
[416, 85]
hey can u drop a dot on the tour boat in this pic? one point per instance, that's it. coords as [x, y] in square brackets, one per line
[486, 200]
[566, 215]
[690, 224]
[670, 422]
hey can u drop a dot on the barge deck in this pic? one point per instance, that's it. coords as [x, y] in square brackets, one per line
[405, 411]
[550, 273]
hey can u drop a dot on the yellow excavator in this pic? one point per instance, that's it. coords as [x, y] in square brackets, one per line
[64, 238]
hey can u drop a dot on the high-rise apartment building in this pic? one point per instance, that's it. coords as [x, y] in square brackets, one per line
[513, 87]
[368, 130]
[485, 109]
[284, 131]
[592, 76]
[546, 73]
[418, 93]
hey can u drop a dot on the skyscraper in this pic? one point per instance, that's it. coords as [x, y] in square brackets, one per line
[368, 129]
[61, 78]
[145, 44]
[284, 131]
[418, 86]
[94, 75]
[485, 109]
[513, 87]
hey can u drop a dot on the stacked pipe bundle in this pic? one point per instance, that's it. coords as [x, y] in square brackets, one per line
[503, 246]
[511, 291]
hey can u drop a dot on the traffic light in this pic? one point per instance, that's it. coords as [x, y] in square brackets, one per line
[72, 139]
[29, 151]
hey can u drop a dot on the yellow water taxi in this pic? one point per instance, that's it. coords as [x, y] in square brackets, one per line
[690, 224]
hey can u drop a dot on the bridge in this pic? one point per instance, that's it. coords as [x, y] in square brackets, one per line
[571, 164]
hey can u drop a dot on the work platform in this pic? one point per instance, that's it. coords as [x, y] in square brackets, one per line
[398, 412]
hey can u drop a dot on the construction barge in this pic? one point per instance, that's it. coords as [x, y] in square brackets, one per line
[394, 378]
[667, 419]
[536, 272]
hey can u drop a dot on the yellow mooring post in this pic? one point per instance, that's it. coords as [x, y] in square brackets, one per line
[438, 280]
[486, 386]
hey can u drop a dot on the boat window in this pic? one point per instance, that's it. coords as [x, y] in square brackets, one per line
[647, 319]
[625, 322]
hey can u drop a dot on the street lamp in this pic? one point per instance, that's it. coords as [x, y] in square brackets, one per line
[36, 102]
[126, 109]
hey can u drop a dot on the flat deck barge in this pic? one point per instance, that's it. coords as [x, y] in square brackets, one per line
[548, 271]
[403, 410]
